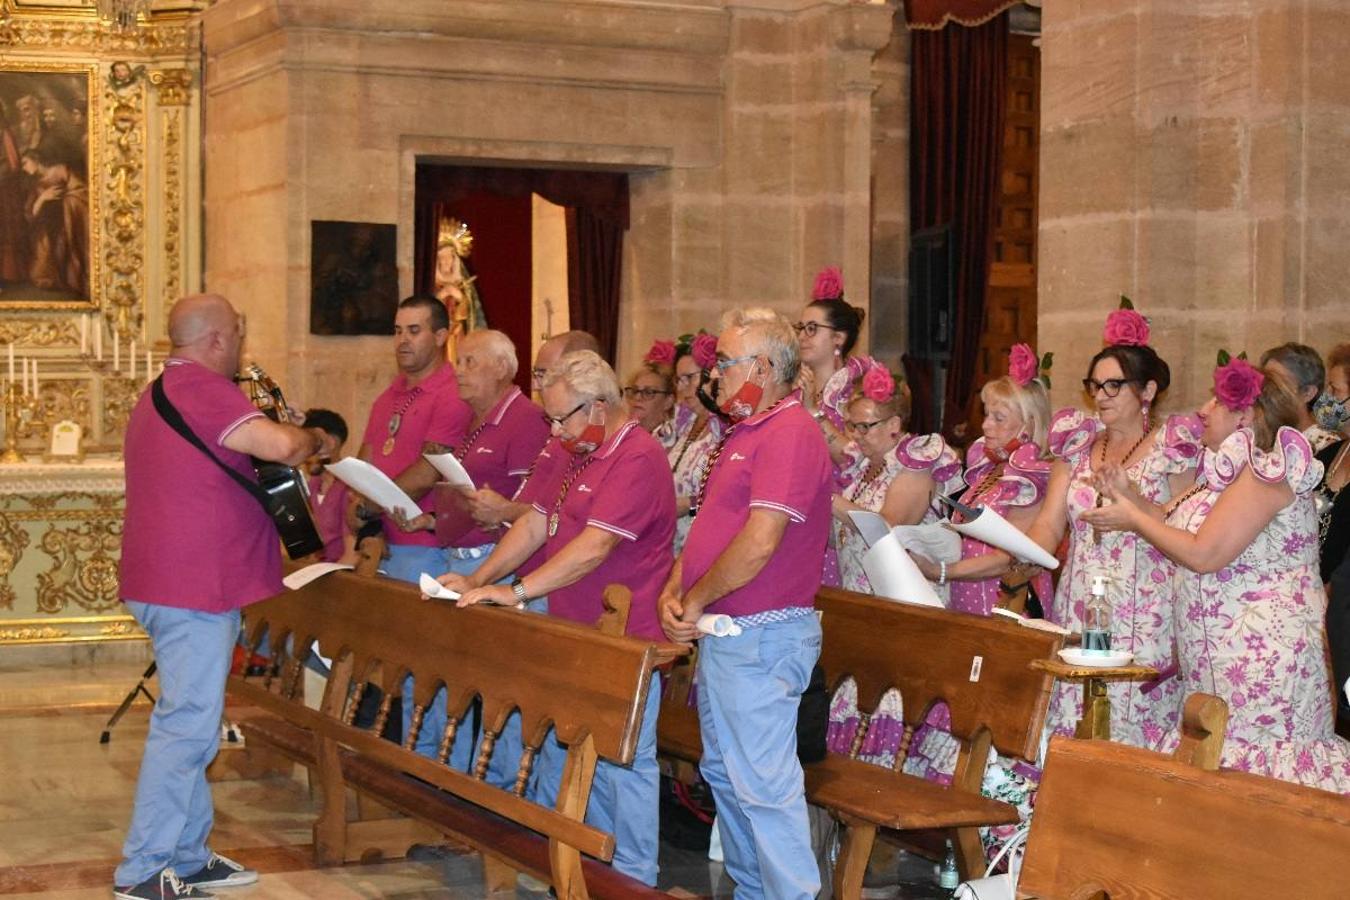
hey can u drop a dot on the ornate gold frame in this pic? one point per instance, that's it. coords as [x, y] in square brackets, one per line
[94, 170]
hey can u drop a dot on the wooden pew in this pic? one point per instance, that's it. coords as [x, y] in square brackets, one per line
[1115, 822]
[590, 686]
[979, 666]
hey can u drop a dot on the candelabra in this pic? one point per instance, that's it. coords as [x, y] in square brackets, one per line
[20, 412]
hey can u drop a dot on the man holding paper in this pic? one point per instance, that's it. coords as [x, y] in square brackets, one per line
[421, 412]
[755, 553]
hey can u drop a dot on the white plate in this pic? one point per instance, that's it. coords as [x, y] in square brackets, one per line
[1114, 659]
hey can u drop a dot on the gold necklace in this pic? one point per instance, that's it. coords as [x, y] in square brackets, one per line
[1176, 504]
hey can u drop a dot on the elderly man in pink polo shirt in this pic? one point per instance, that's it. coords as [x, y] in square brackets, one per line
[602, 505]
[197, 547]
[754, 553]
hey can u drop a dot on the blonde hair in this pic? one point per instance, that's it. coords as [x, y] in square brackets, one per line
[586, 375]
[664, 372]
[1030, 402]
[771, 335]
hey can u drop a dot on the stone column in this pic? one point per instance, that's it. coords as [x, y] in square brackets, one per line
[1191, 158]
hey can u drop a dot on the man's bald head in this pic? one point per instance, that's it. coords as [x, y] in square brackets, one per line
[206, 329]
[553, 349]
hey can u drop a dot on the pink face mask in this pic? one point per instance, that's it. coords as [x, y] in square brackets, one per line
[1002, 454]
[742, 404]
[591, 437]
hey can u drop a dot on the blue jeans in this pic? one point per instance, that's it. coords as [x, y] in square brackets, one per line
[172, 815]
[624, 800]
[407, 561]
[749, 690]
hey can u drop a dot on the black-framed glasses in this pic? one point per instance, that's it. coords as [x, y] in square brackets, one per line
[861, 427]
[557, 421]
[810, 328]
[1110, 387]
[633, 393]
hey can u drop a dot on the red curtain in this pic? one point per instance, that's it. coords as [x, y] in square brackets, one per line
[934, 14]
[496, 205]
[957, 90]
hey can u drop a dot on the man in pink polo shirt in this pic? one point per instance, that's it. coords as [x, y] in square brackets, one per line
[754, 553]
[421, 412]
[604, 511]
[196, 547]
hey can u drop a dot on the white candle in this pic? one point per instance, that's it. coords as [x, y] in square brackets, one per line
[35, 377]
[117, 351]
[23, 374]
[131, 360]
[11, 362]
[149, 368]
[84, 334]
[98, 337]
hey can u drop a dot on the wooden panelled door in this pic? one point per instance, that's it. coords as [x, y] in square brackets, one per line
[1010, 306]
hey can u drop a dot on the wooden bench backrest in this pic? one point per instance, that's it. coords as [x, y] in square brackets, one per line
[1137, 824]
[934, 654]
[554, 672]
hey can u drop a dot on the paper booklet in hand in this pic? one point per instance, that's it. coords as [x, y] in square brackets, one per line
[934, 541]
[895, 576]
[373, 484]
[433, 588]
[451, 469]
[984, 524]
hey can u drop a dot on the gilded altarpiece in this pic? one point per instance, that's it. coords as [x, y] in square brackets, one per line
[61, 521]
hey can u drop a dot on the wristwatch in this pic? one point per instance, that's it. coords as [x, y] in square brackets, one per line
[518, 588]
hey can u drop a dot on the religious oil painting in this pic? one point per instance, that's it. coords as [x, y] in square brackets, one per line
[353, 278]
[48, 213]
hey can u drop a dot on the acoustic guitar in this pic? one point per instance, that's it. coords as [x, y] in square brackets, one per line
[286, 488]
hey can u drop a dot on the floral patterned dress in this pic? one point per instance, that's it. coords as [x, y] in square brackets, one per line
[1251, 633]
[834, 400]
[1018, 484]
[927, 453]
[1141, 579]
[688, 459]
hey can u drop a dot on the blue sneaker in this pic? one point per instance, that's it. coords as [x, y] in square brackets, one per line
[220, 872]
[164, 885]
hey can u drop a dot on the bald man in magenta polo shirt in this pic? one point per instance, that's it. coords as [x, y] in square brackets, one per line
[196, 547]
[602, 505]
[754, 553]
[421, 412]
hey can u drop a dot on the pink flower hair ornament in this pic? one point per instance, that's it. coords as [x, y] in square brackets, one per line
[1024, 366]
[878, 385]
[704, 350]
[1237, 383]
[662, 353]
[829, 284]
[1125, 326]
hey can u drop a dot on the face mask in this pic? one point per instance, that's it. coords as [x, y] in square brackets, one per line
[707, 394]
[742, 404]
[1330, 413]
[1001, 454]
[592, 436]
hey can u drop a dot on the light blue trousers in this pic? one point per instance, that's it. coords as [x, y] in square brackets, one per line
[172, 815]
[749, 688]
[625, 800]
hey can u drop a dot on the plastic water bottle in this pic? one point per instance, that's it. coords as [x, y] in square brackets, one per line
[1097, 619]
[949, 877]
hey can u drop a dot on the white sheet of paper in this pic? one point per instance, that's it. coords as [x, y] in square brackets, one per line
[1027, 622]
[872, 526]
[450, 468]
[717, 625]
[369, 481]
[935, 541]
[301, 577]
[433, 588]
[893, 574]
[997, 531]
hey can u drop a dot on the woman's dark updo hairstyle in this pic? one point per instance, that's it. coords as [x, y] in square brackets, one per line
[1140, 363]
[844, 318]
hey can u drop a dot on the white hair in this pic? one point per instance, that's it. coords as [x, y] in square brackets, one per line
[496, 345]
[586, 375]
[768, 333]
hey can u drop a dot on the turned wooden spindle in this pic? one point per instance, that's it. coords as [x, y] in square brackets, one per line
[447, 738]
[414, 727]
[523, 773]
[485, 746]
[354, 698]
[860, 735]
[382, 717]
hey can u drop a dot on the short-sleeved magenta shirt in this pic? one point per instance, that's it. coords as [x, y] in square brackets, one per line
[193, 538]
[430, 412]
[778, 460]
[627, 489]
[501, 454]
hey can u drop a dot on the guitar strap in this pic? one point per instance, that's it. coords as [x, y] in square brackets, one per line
[169, 413]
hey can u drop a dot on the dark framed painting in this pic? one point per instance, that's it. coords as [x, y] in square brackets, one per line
[353, 278]
[48, 210]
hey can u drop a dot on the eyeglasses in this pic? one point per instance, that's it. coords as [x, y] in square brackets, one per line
[538, 374]
[1110, 387]
[645, 393]
[557, 421]
[861, 427]
[810, 328]
[724, 364]
[685, 378]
